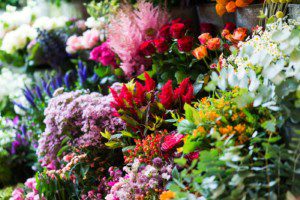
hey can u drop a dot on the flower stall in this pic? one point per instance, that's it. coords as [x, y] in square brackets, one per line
[149, 100]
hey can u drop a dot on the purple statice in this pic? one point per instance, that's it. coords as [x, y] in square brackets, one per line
[141, 181]
[80, 115]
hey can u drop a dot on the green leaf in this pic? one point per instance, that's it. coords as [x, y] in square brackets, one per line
[180, 75]
[269, 125]
[102, 71]
[175, 173]
[63, 149]
[128, 134]
[113, 144]
[186, 127]
[106, 134]
[180, 161]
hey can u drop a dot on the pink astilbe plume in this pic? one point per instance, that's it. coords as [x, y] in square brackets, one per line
[129, 29]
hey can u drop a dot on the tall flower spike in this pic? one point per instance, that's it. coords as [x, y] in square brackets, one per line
[150, 83]
[166, 96]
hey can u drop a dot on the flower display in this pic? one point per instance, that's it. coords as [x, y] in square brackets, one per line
[131, 102]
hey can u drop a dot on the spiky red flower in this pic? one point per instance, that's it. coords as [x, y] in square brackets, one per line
[166, 96]
[185, 91]
[171, 141]
[149, 83]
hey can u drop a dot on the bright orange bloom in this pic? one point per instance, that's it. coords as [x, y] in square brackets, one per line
[231, 7]
[225, 32]
[221, 9]
[222, 2]
[204, 37]
[214, 44]
[200, 52]
[239, 34]
[167, 195]
[243, 3]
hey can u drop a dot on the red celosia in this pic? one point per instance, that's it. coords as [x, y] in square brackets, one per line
[166, 96]
[171, 141]
[185, 91]
[149, 82]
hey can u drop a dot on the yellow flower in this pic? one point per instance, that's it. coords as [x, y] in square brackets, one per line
[240, 128]
[167, 195]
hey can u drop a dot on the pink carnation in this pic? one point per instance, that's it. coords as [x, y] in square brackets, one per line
[104, 55]
[90, 38]
[74, 44]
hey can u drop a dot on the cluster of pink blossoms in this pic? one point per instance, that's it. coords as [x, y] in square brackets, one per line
[28, 193]
[129, 29]
[80, 115]
[88, 40]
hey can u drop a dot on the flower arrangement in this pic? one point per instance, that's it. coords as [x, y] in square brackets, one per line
[133, 104]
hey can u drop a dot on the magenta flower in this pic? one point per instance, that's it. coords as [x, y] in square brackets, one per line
[104, 55]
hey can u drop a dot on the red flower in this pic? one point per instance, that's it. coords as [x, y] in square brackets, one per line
[177, 30]
[185, 44]
[206, 28]
[139, 96]
[165, 31]
[192, 156]
[177, 20]
[166, 96]
[170, 141]
[185, 91]
[214, 44]
[147, 48]
[230, 26]
[161, 45]
[149, 83]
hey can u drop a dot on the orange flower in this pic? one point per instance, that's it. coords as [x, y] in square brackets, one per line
[221, 9]
[200, 52]
[225, 32]
[204, 37]
[231, 7]
[214, 44]
[167, 195]
[222, 2]
[243, 3]
[239, 34]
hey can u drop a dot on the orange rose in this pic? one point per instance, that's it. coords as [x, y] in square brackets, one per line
[167, 195]
[200, 52]
[221, 9]
[225, 32]
[231, 7]
[239, 34]
[204, 37]
[214, 44]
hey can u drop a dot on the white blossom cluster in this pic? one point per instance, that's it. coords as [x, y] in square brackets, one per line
[262, 63]
[11, 85]
[19, 27]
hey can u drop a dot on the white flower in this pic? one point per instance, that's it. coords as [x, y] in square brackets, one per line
[18, 39]
[209, 183]
[47, 23]
[166, 176]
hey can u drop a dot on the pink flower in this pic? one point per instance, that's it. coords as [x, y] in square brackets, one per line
[74, 44]
[17, 194]
[90, 38]
[31, 183]
[104, 55]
